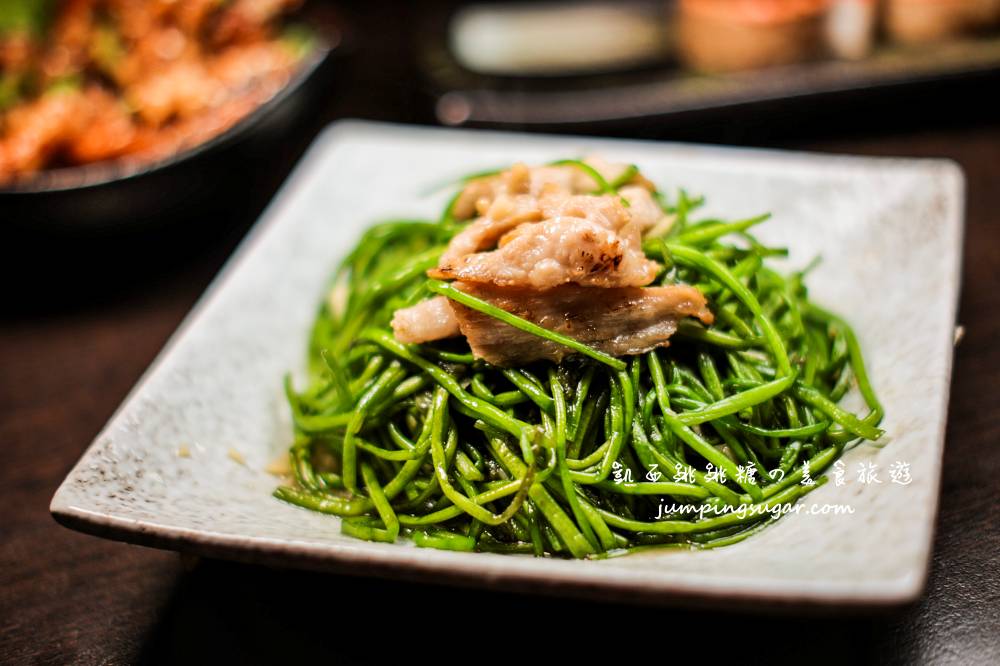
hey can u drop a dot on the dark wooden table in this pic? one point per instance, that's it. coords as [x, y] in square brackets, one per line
[67, 363]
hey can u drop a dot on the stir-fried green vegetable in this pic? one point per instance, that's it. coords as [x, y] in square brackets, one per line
[576, 458]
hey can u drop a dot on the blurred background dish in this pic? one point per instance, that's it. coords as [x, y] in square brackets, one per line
[122, 115]
[928, 21]
[851, 28]
[723, 35]
[695, 55]
[555, 38]
[90, 81]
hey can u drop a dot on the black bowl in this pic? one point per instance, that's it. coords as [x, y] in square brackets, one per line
[111, 198]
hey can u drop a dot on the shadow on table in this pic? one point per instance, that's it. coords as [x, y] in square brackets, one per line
[235, 613]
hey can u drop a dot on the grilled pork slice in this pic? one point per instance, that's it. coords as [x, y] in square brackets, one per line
[618, 321]
[541, 227]
[508, 212]
[480, 193]
[546, 248]
[554, 252]
[433, 319]
[503, 215]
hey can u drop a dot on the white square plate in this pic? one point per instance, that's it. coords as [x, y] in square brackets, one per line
[889, 232]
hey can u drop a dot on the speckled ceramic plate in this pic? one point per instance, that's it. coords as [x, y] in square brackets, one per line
[182, 464]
